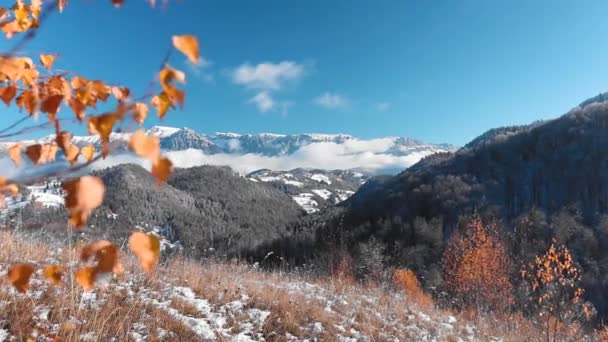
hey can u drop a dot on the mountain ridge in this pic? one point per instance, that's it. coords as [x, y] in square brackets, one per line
[260, 143]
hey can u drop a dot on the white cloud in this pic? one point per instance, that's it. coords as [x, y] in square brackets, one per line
[375, 155]
[234, 144]
[201, 70]
[318, 155]
[263, 101]
[267, 76]
[267, 79]
[332, 101]
[382, 106]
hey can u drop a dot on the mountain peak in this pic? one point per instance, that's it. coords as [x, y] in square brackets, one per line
[162, 131]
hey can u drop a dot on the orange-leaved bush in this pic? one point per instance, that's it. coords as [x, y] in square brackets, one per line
[406, 281]
[476, 268]
[555, 293]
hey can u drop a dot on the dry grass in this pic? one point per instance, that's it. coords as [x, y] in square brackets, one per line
[298, 306]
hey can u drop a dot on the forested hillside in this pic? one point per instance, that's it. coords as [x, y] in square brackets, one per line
[210, 210]
[543, 183]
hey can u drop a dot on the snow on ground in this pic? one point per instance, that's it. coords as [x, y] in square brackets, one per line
[3, 335]
[294, 183]
[48, 194]
[320, 178]
[343, 195]
[306, 201]
[322, 311]
[47, 199]
[323, 193]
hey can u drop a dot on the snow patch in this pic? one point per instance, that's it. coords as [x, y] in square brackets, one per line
[306, 201]
[323, 193]
[320, 178]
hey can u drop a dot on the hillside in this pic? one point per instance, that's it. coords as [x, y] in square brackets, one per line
[210, 210]
[313, 190]
[551, 177]
[186, 301]
[549, 166]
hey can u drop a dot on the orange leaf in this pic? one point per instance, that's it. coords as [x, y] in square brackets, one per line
[188, 45]
[162, 103]
[168, 75]
[71, 154]
[41, 153]
[15, 153]
[78, 82]
[102, 125]
[54, 274]
[176, 95]
[51, 104]
[79, 108]
[88, 152]
[19, 275]
[28, 100]
[47, 61]
[61, 5]
[104, 253]
[35, 8]
[120, 93]
[146, 248]
[145, 146]
[86, 278]
[63, 139]
[140, 112]
[101, 90]
[83, 195]
[161, 169]
[7, 94]
[8, 187]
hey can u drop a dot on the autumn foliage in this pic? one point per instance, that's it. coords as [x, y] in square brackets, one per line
[476, 268]
[554, 292]
[406, 281]
[39, 91]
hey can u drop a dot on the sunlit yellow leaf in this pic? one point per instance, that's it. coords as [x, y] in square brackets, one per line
[146, 248]
[47, 61]
[188, 45]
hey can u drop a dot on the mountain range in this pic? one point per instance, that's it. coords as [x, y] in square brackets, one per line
[279, 152]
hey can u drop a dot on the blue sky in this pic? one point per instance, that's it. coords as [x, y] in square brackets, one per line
[440, 71]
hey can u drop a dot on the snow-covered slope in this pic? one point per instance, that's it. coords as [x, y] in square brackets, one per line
[185, 301]
[313, 189]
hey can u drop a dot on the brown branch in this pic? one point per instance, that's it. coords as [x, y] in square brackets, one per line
[15, 124]
[150, 89]
[32, 128]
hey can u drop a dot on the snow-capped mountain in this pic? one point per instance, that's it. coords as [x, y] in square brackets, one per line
[265, 144]
[305, 166]
[313, 190]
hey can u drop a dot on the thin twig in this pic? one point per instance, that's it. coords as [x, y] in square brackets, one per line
[32, 128]
[150, 88]
[15, 124]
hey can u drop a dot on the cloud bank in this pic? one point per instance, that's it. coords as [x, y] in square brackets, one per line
[369, 155]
